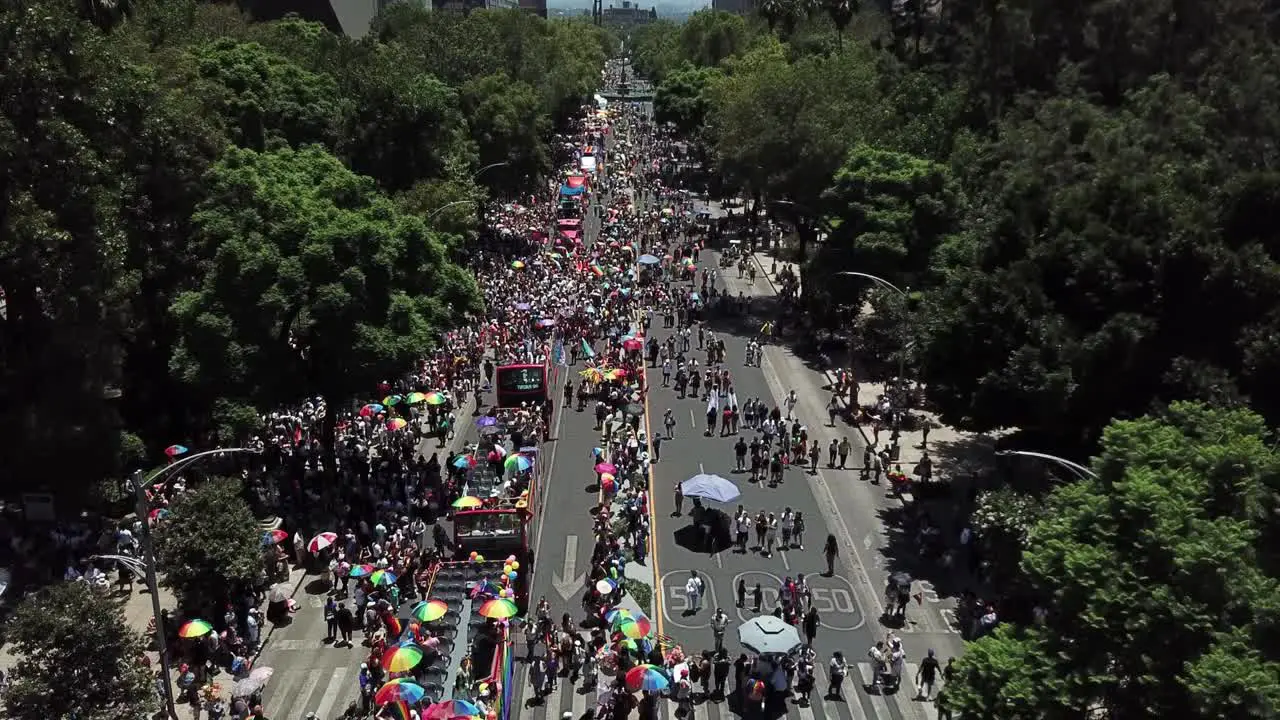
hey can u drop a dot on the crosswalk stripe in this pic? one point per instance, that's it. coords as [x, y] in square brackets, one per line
[309, 683]
[879, 704]
[806, 711]
[579, 703]
[831, 710]
[282, 688]
[337, 685]
[552, 701]
[905, 697]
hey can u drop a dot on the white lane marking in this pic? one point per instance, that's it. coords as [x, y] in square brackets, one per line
[879, 703]
[552, 701]
[579, 703]
[337, 684]
[785, 562]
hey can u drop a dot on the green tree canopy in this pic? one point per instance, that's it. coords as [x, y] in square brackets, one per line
[268, 100]
[889, 213]
[210, 545]
[1090, 284]
[508, 124]
[1153, 577]
[685, 97]
[316, 284]
[76, 658]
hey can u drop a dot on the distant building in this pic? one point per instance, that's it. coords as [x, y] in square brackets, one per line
[469, 5]
[537, 7]
[349, 17]
[629, 15]
[737, 7]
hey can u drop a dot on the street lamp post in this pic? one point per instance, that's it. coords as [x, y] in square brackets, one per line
[902, 359]
[446, 206]
[490, 166]
[1080, 471]
[139, 485]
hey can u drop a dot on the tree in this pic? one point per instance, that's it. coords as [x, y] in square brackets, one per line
[1082, 270]
[210, 545]
[267, 100]
[841, 13]
[685, 97]
[890, 212]
[70, 106]
[76, 658]
[508, 123]
[316, 284]
[1153, 578]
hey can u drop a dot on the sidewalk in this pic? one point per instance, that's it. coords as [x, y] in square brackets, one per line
[955, 454]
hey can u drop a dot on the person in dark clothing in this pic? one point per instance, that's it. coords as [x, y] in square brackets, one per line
[346, 623]
[721, 665]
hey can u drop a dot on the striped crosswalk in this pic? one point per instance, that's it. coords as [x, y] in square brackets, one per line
[325, 691]
[857, 703]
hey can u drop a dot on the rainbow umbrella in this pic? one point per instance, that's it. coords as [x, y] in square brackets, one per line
[635, 628]
[647, 677]
[517, 264]
[360, 571]
[271, 537]
[429, 610]
[372, 409]
[414, 398]
[450, 709]
[392, 400]
[399, 710]
[597, 271]
[484, 587]
[402, 658]
[400, 690]
[468, 501]
[640, 646]
[463, 462]
[382, 577]
[397, 424]
[436, 398]
[195, 629]
[176, 450]
[499, 608]
[518, 463]
[394, 627]
[616, 615]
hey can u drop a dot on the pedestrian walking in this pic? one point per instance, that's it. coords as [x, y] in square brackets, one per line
[830, 551]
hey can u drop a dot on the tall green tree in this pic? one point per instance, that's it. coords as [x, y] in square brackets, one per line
[685, 97]
[268, 100]
[209, 546]
[509, 124]
[70, 108]
[1096, 282]
[76, 658]
[889, 213]
[316, 284]
[1158, 604]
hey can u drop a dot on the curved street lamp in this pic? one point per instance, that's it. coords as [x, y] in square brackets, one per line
[446, 206]
[1080, 471]
[146, 565]
[490, 166]
[906, 344]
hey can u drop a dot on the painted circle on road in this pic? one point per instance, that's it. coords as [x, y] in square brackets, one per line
[675, 605]
[833, 597]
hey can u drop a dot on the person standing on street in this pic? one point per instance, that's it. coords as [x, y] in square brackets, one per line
[719, 623]
[835, 672]
[926, 676]
[679, 500]
[693, 591]
[811, 622]
[831, 550]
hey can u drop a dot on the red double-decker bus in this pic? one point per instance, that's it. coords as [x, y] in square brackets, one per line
[518, 384]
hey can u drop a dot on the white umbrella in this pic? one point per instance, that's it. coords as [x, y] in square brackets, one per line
[768, 635]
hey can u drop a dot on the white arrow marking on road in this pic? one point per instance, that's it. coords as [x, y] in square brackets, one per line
[566, 583]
